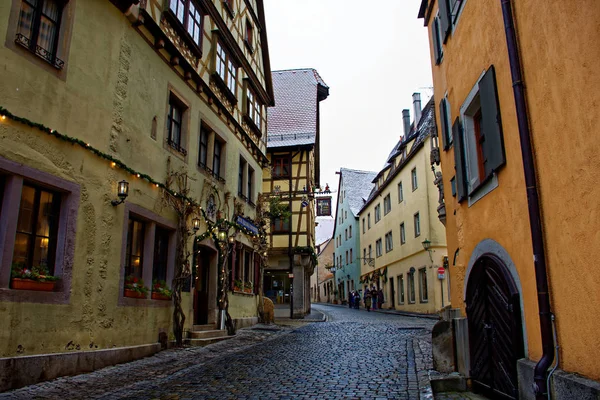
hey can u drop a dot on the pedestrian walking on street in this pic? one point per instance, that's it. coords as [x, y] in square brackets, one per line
[374, 296]
[350, 298]
[357, 300]
[368, 300]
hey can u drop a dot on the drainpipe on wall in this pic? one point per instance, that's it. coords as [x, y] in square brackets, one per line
[539, 259]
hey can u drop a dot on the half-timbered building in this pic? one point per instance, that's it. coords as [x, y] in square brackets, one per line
[293, 175]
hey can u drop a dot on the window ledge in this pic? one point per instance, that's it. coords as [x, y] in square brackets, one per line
[252, 125]
[42, 53]
[483, 189]
[214, 77]
[208, 171]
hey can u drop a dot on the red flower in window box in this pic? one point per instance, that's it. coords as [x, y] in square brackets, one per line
[134, 287]
[160, 290]
[36, 278]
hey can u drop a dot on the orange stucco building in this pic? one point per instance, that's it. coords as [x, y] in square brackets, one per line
[508, 74]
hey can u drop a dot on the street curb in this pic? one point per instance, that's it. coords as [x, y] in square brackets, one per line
[390, 312]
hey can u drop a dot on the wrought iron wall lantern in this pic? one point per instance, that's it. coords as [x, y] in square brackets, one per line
[196, 224]
[427, 246]
[122, 192]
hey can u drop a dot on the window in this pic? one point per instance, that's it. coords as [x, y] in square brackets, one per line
[351, 256]
[364, 256]
[203, 148]
[346, 234]
[281, 167]
[280, 225]
[377, 213]
[241, 174]
[217, 159]
[413, 175]
[175, 126]
[248, 39]
[378, 249]
[135, 249]
[245, 269]
[161, 254]
[189, 16]
[208, 141]
[400, 289]
[370, 251]
[346, 257]
[445, 123]
[479, 143]
[226, 70]
[400, 193]
[363, 223]
[369, 220]
[436, 35]
[389, 242]
[411, 286]
[387, 204]
[253, 109]
[250, 192]
[37, 229]
[38, 29]
[350, 232]
[345, 214]
[423, 285]
[402, 234]
[417, 224]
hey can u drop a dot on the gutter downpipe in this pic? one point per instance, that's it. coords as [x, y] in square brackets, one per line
[539, 259]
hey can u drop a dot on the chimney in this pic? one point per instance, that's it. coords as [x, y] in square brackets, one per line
[406, 120]
[417, 107]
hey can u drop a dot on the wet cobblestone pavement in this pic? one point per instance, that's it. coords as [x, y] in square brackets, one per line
[354, 355]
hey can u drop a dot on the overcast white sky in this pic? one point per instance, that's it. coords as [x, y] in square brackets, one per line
[372, 54]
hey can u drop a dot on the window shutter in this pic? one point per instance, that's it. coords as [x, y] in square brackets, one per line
[444, 19]
[493, 143]
[444, 124]
[459, 159]
[436, 42]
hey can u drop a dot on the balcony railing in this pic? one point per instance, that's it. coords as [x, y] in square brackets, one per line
[39, 51]
[176, 146]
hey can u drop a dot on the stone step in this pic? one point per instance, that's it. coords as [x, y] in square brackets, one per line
[207, 334]
[208, 327]
[205, 342]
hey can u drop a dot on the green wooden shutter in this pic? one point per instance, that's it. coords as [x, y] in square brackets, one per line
[444, 19]
[493, 143]
[444, 128]
[459, 161]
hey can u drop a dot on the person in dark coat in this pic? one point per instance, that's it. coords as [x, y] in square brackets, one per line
[368, 300]
[356, 300]
[380, 298]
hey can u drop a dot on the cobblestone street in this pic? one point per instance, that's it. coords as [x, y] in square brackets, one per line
[354, 354]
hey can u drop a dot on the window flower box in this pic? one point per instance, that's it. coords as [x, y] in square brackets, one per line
[36, 278]
[160, 290]
[159, 296]
[28, 284]
[134, 288]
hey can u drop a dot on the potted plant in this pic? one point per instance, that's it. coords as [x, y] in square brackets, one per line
[238, 285]
[134, 287]
[248, 287]
[36, 278]
[160, 290]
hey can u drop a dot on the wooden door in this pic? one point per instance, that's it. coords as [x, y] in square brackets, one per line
[201, 288]
[495, 329]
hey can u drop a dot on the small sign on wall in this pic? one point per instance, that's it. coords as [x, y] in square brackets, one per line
[324, 207]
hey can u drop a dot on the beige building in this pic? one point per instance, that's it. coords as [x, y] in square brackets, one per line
[399, 217]
[94, 95]
[321, 281]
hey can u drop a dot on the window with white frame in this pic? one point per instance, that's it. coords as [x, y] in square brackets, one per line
[411, 286]
[389, 242]
[400, 193]
[225, 68]
[387, 204]
[424, 297]
[413, 175]
[369, 220]
[417, 220]
[402, 234]
[378, 248]
[189, 16]
[377, 213]
[478, 139]
[400, 289]
[253, 108]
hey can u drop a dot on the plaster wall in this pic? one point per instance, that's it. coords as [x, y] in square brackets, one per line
[115, 86]
[478, 42]
[559, 60]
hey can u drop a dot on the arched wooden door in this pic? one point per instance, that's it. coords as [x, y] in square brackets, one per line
[495, 329]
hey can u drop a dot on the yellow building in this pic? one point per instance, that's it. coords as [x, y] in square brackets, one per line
[321, 282]
[293, 176]
[518, 157]
[94, 94]
[399, 216]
